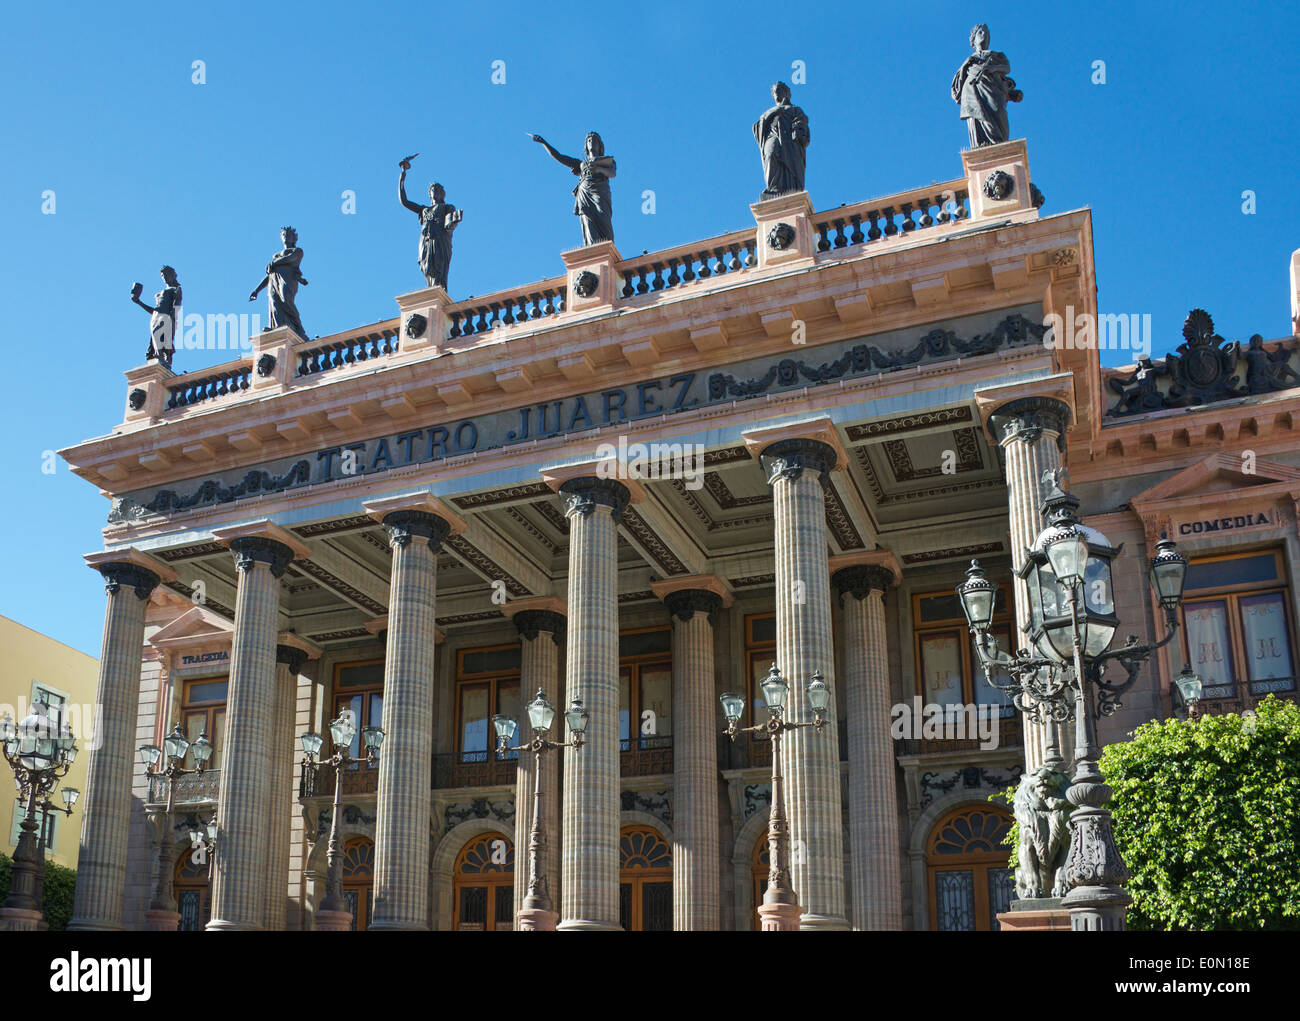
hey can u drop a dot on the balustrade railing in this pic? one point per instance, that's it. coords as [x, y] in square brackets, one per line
[673, 267]
[1245, 696]
[209, 384]
[347, 349]
[894, 216]
[1009, 732]
[506, 308]
[194, 787]
[358, 778]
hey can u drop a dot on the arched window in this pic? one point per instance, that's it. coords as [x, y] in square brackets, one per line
[645, 890]
[966, 863]
[358, 875]
[193, 890]
[484, 881]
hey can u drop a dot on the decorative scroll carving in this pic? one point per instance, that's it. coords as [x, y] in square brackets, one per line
[654, 803]
[937, 345]
[210, 492]
[933, 784]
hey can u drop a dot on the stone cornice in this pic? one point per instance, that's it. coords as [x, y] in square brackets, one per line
[149, 572]
[880, 559]
[266, 530]
[698, 582]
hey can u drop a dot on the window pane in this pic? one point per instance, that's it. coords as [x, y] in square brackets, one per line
[491, 661]
[1235, 571]
[1209, 647]
[473, 907]
[763, 630]
[474, 722]
[206, 691]
[624, 713]
[194, 724]
[1097, 592]
[376, 717]
[1002, 884]
[508, 705]
[643, 643]
[941, 668]
[954, 895]
[986, 693]
[361, 675]
[1268, 646]
[218, 734]
[656, 700]
[759, 664]
[505, 907]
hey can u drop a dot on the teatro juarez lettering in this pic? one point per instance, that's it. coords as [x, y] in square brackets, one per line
[683, 391]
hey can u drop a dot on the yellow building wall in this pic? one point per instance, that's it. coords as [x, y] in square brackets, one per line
[29, 659]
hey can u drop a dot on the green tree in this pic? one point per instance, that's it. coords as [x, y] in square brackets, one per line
[60, 882]
[1207, 817]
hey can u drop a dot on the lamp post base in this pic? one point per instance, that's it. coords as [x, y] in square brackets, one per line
[537, 920]
[1097, 908]
[161, 920]
[20, 920]
[333, 921]
[779, 917]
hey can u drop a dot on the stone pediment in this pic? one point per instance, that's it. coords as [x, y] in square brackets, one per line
[1221, 473]
[1220, 493]
[196, 629]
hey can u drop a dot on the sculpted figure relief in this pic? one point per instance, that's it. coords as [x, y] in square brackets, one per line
[782, 137]
[283, 275]
[162, 316]
[592, 204]
[437, 221]
[1043, 815]
[982, 88]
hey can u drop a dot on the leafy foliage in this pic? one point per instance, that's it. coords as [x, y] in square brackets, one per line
[1207, 817]
[60, 883]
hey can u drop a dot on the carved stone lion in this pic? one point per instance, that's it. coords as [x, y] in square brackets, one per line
[1043, 815]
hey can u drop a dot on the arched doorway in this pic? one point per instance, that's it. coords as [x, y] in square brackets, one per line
[192, 887]
[645, 889]
[484, 885]
[966, 867]
[357, 871]
[761, 867]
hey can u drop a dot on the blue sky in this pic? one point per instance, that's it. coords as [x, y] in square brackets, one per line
[303, 101]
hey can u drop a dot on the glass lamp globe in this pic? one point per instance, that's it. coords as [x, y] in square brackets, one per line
[1190, 686]
[775, 689]
[1168, 573]
[175, 743]
[311, 742]
[732, 706]
[576, 717]
[202, 749]
[372, 738]
[977, 597]
[505, 727]
[343, 730]
[541, 714]
[70, 796]
[150, 754]
[819, 694]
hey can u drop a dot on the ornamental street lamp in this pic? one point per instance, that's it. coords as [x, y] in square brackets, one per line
[780, 909]
[69, 795]
[333, 912]
[1071, 626]
[536, 913]
[40, 755]
[1190, 687]
[162, 909]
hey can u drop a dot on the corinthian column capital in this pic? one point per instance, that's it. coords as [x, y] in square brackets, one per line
[129, 568]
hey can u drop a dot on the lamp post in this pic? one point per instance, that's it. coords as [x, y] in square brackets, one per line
[40, 756]
[536, 913]
[162, 915]
[1071, 626]
[780, 909]
[69, 795]
[333, 914]
[1190, 687]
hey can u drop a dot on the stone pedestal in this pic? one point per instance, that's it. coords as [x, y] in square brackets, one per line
[537, 920]
[599, 261]
[333, 921]
[426, 307]
[795, 211]
[1008, 195]
[20, 920]
[779, 917]
[1043, 914]
[157, 920]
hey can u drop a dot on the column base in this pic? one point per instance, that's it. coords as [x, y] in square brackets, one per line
[395, 927]
[828, 923]
[586, 925]
[536, 920]
[333, 921]
[779, 917]
[221, 925]
[160, 920]
[20, 920]
[93, 925]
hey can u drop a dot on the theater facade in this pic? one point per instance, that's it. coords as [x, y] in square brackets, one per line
[640, 484]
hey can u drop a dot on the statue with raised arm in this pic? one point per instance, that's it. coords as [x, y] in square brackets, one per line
[437, 221]
[283, 275]
[782, 137]
[162, 316]
[592, 202]
[982, 88]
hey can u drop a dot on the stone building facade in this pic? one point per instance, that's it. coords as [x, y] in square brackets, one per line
[417, 520]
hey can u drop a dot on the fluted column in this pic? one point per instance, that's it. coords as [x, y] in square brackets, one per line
[1031, 434]
[289, 661]
[402, 836]
[244, 805]
[106, 804]
[697, 888]
[810, 758]
[540, 632]
[589, 830]
[877, 901]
